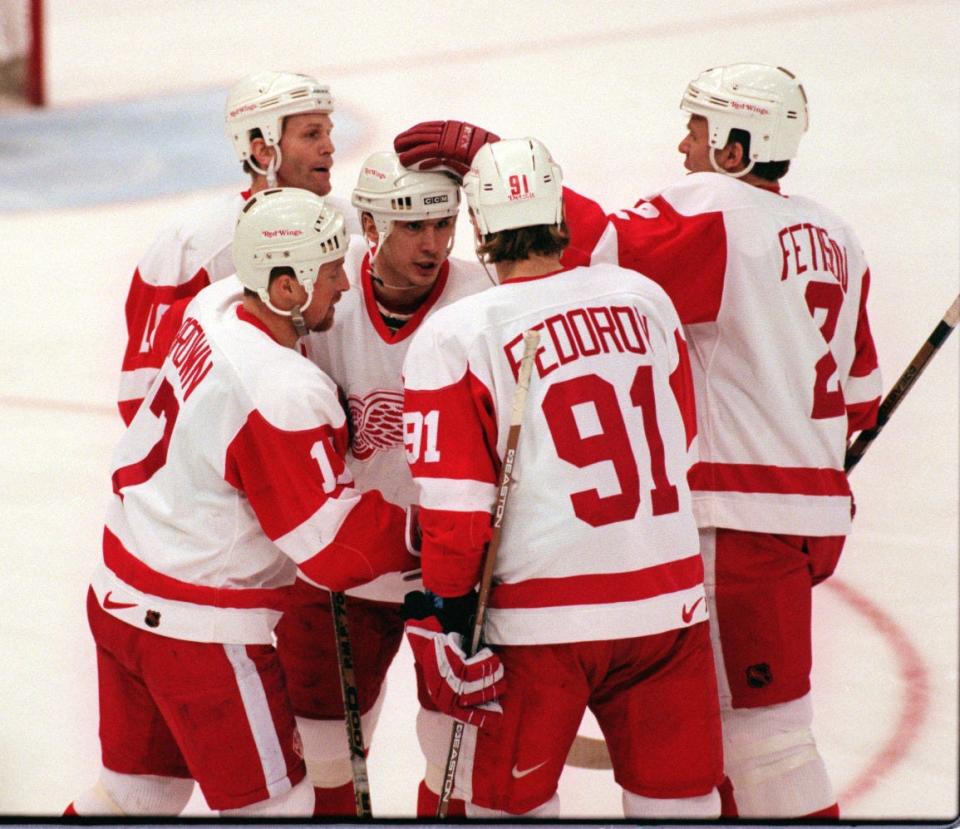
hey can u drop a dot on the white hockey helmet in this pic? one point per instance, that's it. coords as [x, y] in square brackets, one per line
[514, 183]
[390, 192]
[261, 101]
[768, 102]
[286, 227]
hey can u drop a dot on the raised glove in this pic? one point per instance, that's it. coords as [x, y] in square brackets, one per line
[449, 145]
[465, 688]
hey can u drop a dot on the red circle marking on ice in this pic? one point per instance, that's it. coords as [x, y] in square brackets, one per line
[916, 685]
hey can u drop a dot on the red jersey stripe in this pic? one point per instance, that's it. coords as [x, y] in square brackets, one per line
[147, 580]
[782, 480]
[601, 588]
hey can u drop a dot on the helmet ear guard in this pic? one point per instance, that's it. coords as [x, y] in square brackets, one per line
[767, 102]
[514, 183]
[286, 227]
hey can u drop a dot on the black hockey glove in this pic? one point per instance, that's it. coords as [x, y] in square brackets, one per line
[455, 615]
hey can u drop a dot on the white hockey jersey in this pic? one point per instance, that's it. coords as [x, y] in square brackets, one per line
[190, 253]
[230, 478]
[364, 357]
[598, 538]
[772, 291]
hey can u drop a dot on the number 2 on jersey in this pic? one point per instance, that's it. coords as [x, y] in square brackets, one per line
[610, 442]
[829, 297]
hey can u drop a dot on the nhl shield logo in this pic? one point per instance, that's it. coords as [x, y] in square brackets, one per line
[759, 675]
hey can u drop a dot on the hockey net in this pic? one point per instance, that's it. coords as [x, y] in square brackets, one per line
[21, 52]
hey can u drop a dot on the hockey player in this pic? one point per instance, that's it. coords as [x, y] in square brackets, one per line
[398, 278]
[451, 145]
[772, 290]
[279, 124]
[598, 597]
[230, 481]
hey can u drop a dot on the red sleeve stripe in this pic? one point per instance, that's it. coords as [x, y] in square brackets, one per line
[862, 416]
[605, 588]
[865, 359]
[686, 255]
[681, 381]
[146, 303]
[467, 418]
[280, 472]
[780, 480]
[453, 548]
[145, 579]
[586, 222]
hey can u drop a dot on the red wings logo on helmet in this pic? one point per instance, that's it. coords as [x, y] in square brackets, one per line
[377, 422]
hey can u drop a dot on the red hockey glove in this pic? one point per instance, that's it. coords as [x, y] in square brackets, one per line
[448, 145]
[461, 687]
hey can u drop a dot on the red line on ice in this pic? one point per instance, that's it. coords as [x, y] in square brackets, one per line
[49, 405]
[914, 706]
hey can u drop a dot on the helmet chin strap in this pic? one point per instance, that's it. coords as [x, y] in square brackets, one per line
[483, 262]
[271, 172]
[719, 169]
[477, 242]
[493, 280]
[296, 317]
[373, 248]
[295, 313]
[272, 168]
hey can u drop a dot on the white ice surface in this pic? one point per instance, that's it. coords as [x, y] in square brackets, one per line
[599, 83]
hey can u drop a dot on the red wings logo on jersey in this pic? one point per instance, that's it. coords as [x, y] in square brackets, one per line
[377, 421]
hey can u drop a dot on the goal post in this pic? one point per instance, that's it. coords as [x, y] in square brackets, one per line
[22, 52]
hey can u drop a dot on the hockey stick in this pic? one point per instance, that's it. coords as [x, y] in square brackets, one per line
[895, 396]
[592, 753]
[531, 339]
[351, 705]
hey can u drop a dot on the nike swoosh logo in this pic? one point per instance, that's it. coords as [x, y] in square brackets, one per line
[517, 774]
[688, 614]
[111, 605]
